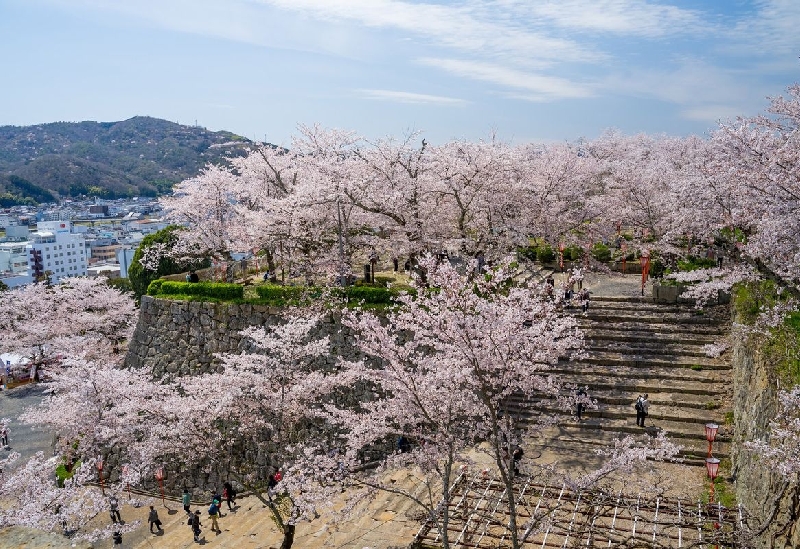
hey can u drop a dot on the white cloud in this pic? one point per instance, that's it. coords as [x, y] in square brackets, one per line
[412, 98]
[624, 17]
[544, 87]
[465, 26]
[771, 31]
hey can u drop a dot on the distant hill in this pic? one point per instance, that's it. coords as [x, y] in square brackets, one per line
[141, 156]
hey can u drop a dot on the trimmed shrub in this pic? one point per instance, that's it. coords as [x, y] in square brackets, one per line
[601, 252]
[528, 252]
[545, 253]
[283, 294]
[154, 288]
[369, 294]
[216, 290]
[573, 253]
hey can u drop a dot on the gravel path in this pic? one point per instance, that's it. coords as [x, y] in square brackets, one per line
[23, 438]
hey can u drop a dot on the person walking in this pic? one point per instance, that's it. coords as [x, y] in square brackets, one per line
[229, 494]
[187, 501]
[642, 407]
[3, 436]
[153, 519]
[516, 457]
[580, 405]
[216, 499]
[583, 295]
[196, 525]
[213, 512]
[113, 506]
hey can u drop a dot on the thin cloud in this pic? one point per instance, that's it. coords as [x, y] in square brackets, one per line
[622, 17]
[411, 98]
[466, 27]
[546, 87]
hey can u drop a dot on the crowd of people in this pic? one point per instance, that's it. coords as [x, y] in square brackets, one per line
[193, 518]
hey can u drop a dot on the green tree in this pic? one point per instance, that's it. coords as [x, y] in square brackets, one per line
[141, 278]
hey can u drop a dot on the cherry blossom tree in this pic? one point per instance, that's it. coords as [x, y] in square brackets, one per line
[32, 498]
[81, 318]
[451, 356]
[259, 413]
[759, 158]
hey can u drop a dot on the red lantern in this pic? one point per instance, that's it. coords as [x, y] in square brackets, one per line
[711, 434]
[100, 474]
[159, 474]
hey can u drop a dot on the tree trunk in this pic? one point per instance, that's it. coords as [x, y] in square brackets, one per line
[288, 536]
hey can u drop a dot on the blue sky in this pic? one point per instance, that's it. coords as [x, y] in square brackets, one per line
[529, 70]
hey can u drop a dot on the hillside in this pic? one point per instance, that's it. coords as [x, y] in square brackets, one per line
[141, 156]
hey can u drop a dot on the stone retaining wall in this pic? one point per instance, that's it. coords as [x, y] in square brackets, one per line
[182, 337]
[774, 504]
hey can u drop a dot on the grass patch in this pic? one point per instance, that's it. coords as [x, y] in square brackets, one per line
[712, 405]
[782, 345]
[63, 473]
[696, 367]
[729, 418]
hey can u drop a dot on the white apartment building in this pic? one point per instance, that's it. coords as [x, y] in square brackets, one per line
[54, 248]
[13, 257]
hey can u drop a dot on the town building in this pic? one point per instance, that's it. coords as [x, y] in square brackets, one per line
[55, 249]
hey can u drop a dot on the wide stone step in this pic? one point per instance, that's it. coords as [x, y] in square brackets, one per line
[603, 333]
[617, 360]
[599, 302]
[654, 327]
[682, 430]
[572, 439]
[620, 375]
[596, 315]
[644, 346]
[671, 398]
[663, 411]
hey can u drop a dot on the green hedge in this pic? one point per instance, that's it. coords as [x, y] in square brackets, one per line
[154, 288]
[216, 290]
[601, 252]
[545, 253]
[373, 295]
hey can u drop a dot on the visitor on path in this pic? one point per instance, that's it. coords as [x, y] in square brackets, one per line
[580, 407]
[187, 501]
[213, 512]
[583, 296]
[642, 406]
[3, 436]
[153, 519]
[229, 494]
[113, 505]
[403, 444]
[216, 499]
[117, 537]
[193, 277]
[194, 522]
[516, 456]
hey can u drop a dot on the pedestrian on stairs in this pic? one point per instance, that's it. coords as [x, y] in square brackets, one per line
[642, 407]
[580, 397]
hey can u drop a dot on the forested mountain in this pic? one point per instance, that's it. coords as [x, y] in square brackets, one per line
[141, 156]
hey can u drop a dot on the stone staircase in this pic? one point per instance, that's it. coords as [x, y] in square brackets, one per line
[632, 347]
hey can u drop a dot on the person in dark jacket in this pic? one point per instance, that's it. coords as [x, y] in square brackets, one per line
[153, 520]
[195, 524]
